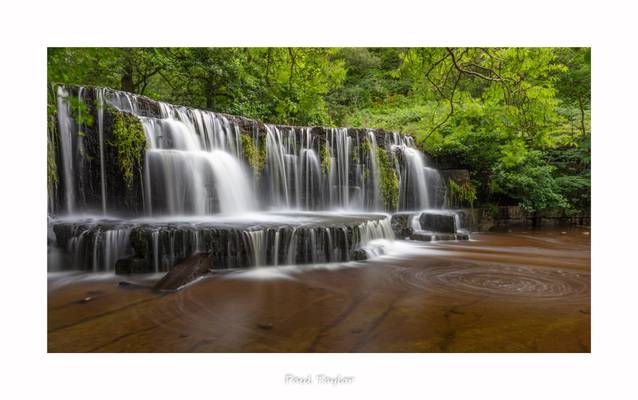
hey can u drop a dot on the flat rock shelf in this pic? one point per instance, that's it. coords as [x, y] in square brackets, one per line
[151, 245]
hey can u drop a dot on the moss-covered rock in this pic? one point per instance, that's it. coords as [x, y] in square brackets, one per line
[254, 154]
[326, 160]
[129, 142]
[52, 169]
[389, 185]
[461, 195]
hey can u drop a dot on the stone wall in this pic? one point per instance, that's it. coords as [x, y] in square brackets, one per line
[495, 218]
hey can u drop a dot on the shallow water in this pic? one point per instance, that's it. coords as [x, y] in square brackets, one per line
[526, 291]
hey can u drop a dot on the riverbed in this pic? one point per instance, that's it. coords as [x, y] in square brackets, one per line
[522, 291]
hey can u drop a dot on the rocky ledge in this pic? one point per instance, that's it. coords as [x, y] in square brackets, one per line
[153, 246]
[428, 225]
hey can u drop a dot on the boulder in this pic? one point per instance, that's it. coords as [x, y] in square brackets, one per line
[402, 224]
[437, 222]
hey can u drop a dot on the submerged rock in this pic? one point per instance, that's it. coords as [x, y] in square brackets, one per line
[183, 273]
[359, 255]
[462, 235]
[132, 265]
[421, 236]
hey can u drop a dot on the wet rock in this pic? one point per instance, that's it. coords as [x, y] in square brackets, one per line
[421, 236]
[462, 236]
[132, 248]
[359, 255]
[402, 224]
[443, 236]
[132, 265]
[184, 273]
[438, 222]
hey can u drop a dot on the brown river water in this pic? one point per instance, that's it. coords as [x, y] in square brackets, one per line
[525, 291]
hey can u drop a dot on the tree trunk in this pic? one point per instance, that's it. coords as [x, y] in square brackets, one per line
[582, 115]
[127, 72]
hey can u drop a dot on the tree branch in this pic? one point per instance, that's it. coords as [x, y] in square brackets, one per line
[470, 72]
[449, 114]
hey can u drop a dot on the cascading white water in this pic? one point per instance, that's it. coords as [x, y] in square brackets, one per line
[256, 240]
[100, 127]
[115, 246]
[415, 179]
[276, 168]
[192, 173]
[308, 180]
[339, 147]
[65, 124]
[195, 165]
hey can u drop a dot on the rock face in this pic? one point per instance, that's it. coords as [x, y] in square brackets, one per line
[85, 140]
[427, 236]
[183, 273]
[312, 168]
[402, 224]
[460, 176]
[427, 226]
[490, 219]
[157, 247]
[438, 222]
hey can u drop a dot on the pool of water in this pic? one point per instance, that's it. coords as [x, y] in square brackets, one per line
[523, 291]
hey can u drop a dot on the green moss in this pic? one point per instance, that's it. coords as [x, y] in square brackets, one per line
[130, 142]
[52, 169]
[254, 155]
[326, 160]
[355, 154]
[389, 185]
[460, 195]
[365, 146]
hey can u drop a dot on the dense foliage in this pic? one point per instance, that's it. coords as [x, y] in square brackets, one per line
[517, 118]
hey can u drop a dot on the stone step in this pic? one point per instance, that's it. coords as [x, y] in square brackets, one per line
[428, 236]
[128, 247]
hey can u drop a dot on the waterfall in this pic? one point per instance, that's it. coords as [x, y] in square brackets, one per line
[256, 241]
[100, 127]
[339, 147]
[277, 170]
[115, 246]
[65, 124]
[194, 173]
[375, 202]
[413, 180]
[198, 167]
